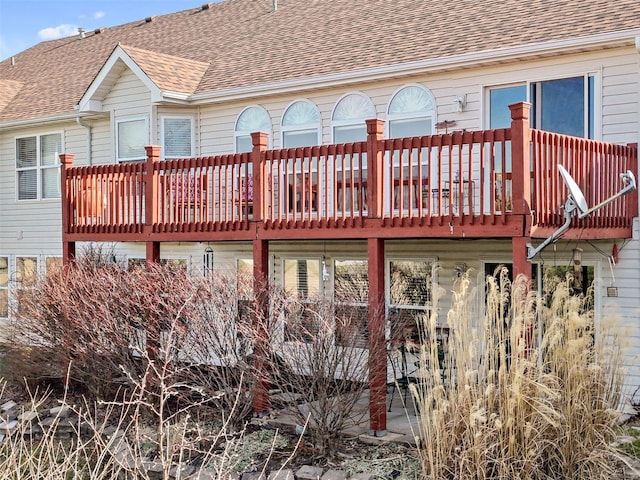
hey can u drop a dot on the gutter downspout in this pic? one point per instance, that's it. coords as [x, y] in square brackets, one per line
[82, 123]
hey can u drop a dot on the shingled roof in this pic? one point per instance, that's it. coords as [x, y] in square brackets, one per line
[245, 43]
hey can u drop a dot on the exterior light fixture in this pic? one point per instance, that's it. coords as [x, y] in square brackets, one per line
[459, 103]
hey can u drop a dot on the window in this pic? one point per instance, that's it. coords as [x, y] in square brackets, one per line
[245, 278]
[133, 263]
[302, 278]
[563, 106]
[252, 119]
[300, 125]
[351, 281]
[38, 166]
[177, 137]
[26, 270]
[348, 119]
[411, 112]
[132, 135]
[351, 291]
[409, 284]
[244, 281]
[175, 263]
[26, 274]
[4, 287]
[53, 264]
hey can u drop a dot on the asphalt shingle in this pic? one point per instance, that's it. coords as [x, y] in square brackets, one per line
[240, 43]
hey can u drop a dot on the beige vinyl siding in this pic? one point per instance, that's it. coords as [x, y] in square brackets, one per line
[29, 227]
[621, 102]
[76, 142]
[102, 146]
[129, 96]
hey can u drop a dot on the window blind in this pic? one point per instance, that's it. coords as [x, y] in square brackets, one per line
[177, 138]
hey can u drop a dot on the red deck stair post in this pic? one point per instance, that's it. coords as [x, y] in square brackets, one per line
[68, 248]
[521, 184]
[151, 200]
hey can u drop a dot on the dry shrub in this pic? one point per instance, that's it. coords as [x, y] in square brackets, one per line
[320, 358]
[527, 388]
[98, 326]
[130, 438]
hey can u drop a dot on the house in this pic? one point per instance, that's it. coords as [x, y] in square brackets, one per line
[315, 139]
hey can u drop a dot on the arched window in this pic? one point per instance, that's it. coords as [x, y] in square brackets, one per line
[349, 115]
[411, 112]
[301, 125]
[252, 119]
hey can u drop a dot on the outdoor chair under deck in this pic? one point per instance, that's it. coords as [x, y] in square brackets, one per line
[404, 357]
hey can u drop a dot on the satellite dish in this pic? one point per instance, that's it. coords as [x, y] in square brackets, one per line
[576, 201]
[574, 189]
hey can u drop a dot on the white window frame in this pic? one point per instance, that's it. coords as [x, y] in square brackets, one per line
[19, 281]
[5, 287]
[333, 275]
[431, 115]
[243, 133]
[192, 144]
[387, 274]
[359, 121]
[39, 167]
[116, 137]
[597, 98]
[301, 127]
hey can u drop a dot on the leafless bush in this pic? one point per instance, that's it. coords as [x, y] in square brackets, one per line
[525, 389]
[133, 437]
[319, 358]
[108, 324]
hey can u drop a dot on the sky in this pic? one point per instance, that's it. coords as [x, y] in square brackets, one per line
[24, 23]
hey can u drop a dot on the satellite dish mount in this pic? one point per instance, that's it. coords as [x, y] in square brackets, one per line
[576, 201]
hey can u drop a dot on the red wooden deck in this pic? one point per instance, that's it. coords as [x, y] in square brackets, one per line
[485, 184]
[471, 184]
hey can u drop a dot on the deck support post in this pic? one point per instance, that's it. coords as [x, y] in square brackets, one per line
[68, 252]
[375, 133]
[152, 253]
[377, 342]
[521, 184]
[68, 248]
[261, 317]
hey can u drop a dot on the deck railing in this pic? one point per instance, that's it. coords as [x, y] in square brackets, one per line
[596, 167]
[460, 178]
